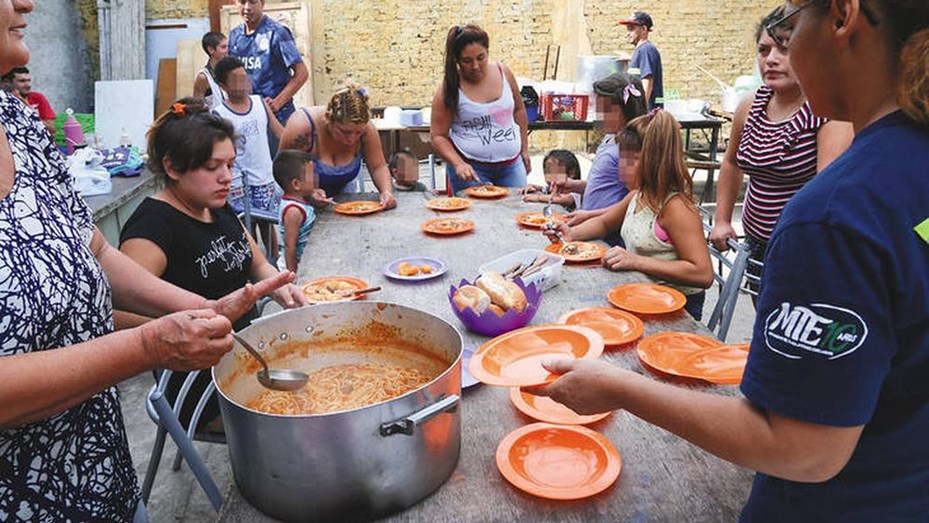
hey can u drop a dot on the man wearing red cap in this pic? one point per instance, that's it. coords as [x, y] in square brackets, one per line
[645, 59]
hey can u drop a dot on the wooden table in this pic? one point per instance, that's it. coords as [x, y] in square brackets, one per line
[663, 478]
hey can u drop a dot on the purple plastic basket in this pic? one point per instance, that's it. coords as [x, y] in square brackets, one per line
[489, 324]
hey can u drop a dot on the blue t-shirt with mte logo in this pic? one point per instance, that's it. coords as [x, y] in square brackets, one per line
[268, 54]
[842, 332]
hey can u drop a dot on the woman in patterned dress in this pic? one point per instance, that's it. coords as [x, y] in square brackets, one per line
[63, 449]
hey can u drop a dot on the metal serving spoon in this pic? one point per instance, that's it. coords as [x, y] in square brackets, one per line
[278, 379]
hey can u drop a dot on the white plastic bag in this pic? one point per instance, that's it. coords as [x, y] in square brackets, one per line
[90, 178]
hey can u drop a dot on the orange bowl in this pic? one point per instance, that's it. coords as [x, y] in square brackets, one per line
[448, 204]
[616, 326]
[594, 254]
[666, 350]
[550, 411]
[447, 226]
[515, 359]
[558, 461]
[349, 283]
[358, 207]
[647, 298]
[721, 365]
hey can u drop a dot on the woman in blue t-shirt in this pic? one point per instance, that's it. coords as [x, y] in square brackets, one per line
[836, 407]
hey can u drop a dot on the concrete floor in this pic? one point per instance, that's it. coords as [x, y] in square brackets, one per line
[176, 496]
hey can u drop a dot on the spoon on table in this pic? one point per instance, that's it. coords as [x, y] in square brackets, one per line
[277, 379]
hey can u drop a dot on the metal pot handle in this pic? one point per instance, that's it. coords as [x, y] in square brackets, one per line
[407, 425]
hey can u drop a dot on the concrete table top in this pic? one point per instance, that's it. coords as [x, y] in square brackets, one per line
[663, 477]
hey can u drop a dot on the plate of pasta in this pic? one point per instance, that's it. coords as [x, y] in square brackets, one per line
[358, 207]
[415, 268]
[447, 226]
[577, 252]
[333, 288]
[536, 220]
[487, 191]
[448, 204]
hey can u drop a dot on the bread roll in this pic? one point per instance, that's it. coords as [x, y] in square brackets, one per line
[496, 309]
[503, 292]
[471, 296]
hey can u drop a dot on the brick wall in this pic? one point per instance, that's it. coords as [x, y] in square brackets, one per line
[395, 47]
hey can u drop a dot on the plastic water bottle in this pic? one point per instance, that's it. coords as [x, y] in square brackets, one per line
[74, 135]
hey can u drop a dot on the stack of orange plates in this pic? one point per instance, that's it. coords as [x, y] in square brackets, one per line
[558, 461]
[617, 327]
[694, 356]
[647, 298]
[515, 359]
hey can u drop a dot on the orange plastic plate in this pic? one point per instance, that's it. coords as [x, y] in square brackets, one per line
[448, 204]
[721, 365]
[550, 411]
[647, 298]
[665, 351]
[448, 226]
[354, 282]
[595, 252]
[515, 359]
[536, 220]
[558, 461]
[617, 327]
[487, 191]
[358, 207]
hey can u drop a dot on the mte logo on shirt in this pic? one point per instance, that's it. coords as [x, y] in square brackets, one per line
[819, 329]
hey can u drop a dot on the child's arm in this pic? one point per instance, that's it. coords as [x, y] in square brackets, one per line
[682, 223]
[609, 220]
[273, 124]
[292, 221]
[565, 200]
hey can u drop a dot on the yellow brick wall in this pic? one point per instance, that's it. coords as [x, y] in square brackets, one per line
[395, 47]
[174, 9]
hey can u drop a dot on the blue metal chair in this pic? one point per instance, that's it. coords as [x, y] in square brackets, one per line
[728, 275]
[166, 417]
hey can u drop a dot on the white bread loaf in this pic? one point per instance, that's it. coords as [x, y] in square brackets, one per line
[473, 297]
[503, 292]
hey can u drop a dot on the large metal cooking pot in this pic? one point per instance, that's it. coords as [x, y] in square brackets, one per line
[350, 465]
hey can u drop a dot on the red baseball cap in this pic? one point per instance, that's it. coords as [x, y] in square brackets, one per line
[638, 18]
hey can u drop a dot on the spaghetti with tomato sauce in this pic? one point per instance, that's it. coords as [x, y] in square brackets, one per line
[343, 387]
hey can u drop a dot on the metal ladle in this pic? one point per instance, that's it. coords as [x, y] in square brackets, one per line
[277, 379]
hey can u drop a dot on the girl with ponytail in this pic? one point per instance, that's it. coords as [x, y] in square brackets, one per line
[836, 406]
[658, 220]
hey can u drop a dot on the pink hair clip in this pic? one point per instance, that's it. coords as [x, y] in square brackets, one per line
[630, 91]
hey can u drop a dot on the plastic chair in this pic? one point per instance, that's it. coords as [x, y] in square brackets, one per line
[166, 418]
[728, 275]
